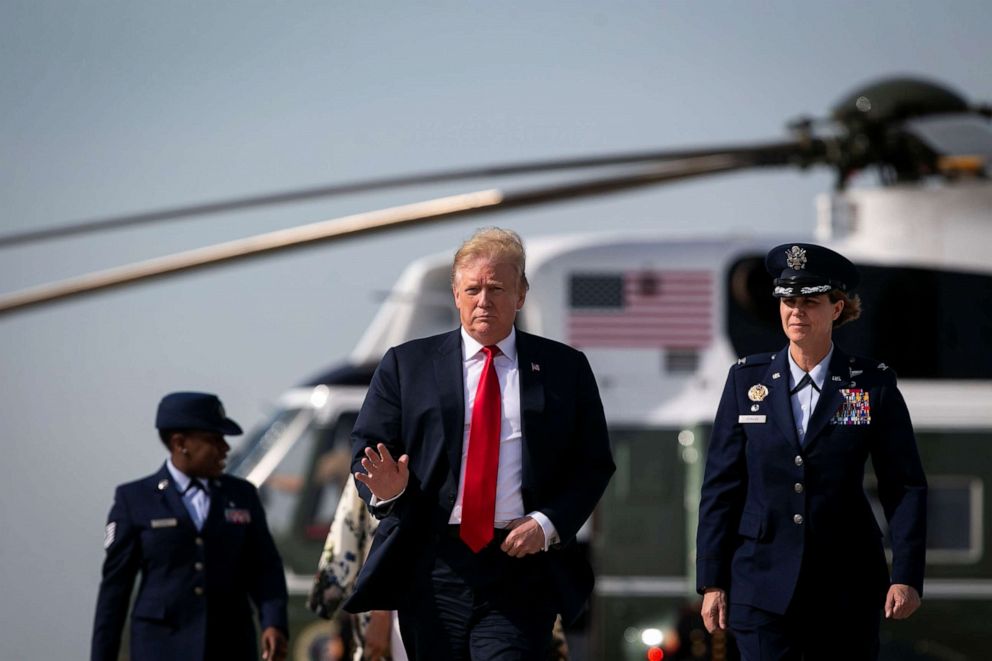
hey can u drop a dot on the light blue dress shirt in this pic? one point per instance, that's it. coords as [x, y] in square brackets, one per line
[804, 401]
[196, 501]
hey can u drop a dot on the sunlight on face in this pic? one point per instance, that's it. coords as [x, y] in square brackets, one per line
[808, 320]
[487, 295]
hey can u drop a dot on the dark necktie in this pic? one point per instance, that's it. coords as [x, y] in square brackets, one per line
[482, 463]
[807, 380]
[196, 488]
[194, 484]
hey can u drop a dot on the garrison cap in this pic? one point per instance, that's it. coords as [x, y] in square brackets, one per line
[806, 269]
[198, 411]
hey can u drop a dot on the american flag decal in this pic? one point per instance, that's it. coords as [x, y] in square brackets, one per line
[641, 309]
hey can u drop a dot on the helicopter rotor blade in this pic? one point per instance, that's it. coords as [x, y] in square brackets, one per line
[440, 176]
[439, 209]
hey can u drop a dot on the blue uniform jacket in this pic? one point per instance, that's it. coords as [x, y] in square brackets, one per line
[194, 584]
[416, 405]
[769, 504]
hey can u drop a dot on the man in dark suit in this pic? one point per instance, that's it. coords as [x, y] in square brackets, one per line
[789, 554]
[200, 541]
[502, 454]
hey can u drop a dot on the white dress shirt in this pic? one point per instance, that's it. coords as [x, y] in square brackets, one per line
[197, 501]
[804, 401]
[509, 500]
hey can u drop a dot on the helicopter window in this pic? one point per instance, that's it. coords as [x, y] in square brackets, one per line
[331, 470]
[648, 488]
[926, 324]
[954, 518]
[283, 488]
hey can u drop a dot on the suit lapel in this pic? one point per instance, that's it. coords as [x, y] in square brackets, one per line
[529, 366]
[830, 395]
[778, 396]
[448, 372]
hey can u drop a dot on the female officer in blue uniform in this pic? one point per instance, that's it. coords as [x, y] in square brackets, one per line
[789, 554]
[200, 541]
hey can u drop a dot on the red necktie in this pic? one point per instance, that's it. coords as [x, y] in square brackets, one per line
[482, 464]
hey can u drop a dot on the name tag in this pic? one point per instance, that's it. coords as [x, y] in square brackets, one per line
[746, 419]
[237, 516]
[165, 523]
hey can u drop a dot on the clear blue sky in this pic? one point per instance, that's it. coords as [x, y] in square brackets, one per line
[111, 107]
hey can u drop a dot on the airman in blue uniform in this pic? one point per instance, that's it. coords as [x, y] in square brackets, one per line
[201, 544]
[789, 554]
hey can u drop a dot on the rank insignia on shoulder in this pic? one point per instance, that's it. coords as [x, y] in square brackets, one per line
[237, 516]
[162, 485]
[741, 361]
[856, 409]
[757, 392]
[109, 534]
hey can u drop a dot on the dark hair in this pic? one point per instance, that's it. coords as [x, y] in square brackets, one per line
[166, 434]
[852, 306]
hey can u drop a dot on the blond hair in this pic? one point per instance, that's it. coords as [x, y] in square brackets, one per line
[497, 245]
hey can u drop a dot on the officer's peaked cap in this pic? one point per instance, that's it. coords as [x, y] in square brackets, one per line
[806, 269]
[198, 411]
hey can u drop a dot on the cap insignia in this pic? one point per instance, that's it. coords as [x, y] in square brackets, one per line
[757, 393]
[795, 257]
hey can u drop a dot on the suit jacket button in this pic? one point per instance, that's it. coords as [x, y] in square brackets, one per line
[198, 566]
[198, 591]
[798, 519]
[799, 460]
[199, 541]
[798, 487]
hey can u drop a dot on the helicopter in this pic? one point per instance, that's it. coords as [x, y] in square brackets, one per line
[918, 232]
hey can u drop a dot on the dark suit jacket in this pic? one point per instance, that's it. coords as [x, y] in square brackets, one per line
[768, 503]
[415, 405]
[189, 579]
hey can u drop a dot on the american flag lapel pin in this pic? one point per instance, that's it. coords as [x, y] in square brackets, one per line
[534, 367]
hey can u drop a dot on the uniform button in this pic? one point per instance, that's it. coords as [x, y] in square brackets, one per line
[798, 519]
[199, 541]
[199, 565]
[799, 460]
[798, 487]
[198, 591]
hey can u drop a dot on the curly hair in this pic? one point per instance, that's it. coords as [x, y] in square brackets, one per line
[852, 306]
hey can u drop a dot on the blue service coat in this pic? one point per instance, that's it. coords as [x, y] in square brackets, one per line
[416, 405]
[197, 587]
[769, 504]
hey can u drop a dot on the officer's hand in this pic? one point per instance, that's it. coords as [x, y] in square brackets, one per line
[901, 602]
[377, 635]
[526, 537]
[715, 609]
[384, 477]
[274, 645]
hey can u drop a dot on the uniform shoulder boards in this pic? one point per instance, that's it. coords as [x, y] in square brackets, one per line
[755, 359]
